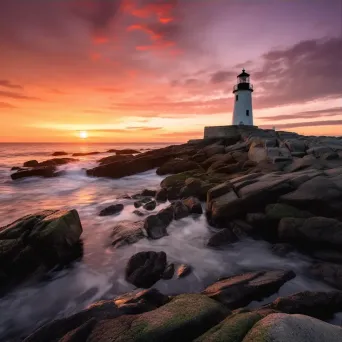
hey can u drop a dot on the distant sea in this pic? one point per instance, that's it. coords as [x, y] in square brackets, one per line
[100, 274]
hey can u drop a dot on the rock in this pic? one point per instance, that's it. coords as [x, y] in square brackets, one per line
[241, 229]
[330, 156]
[43, 240]
[183, 270]
[180, 210]
[141, 202]
[177, 166]
[319, 151]
[31, 163]
[282, 249]
[328, 255]
[41, 171]
[279, 327]
[218, 191]
[328, 272]
[223, 237]
[115, 158]
[320, 231]
[144, 269]
[127, 233]
[16, 168]
[194, 205]
[148, 193]
[131, 303]
[57, 161]
[232, 329]
[59, 153]
[124, 151]
[130, 166]
[112, 209]
[278, 211]
[321, 305]
[213, 149]
[138, 213]
[183, 319]
[169, 272]
[240, 290]
[150, 205]
[82, 154]
[161, 195]
[155, 225]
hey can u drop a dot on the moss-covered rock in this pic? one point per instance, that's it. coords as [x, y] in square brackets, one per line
[183, 319]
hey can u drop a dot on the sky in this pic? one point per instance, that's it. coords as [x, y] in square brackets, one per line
[161, 70]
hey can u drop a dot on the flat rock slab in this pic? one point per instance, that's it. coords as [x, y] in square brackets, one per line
[240, 290]
[127, 233]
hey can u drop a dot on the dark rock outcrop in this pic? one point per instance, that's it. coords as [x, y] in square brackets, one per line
[155, 225]
[40, 241]
[31, 163]
[40, 171]
[240, 290]
[144, 269]
[59, 153]
[127, 233]
[112, 209]
[177, 166]
[151, 205]
[83, 154]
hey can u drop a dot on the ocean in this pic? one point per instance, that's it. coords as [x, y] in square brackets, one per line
[100, 274]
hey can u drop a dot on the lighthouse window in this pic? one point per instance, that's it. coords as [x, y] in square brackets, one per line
[247, 112]
[236, 98]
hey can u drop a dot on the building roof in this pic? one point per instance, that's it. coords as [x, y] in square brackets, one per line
[243, 74]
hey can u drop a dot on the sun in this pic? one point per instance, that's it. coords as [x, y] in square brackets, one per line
[83, 134]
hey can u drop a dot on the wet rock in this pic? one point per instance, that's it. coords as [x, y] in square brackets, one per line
[279, 327]
[161, 195]
[144, 269]
[278, 211]
[320, 231]
[127, 233]
[141, 202]
[328, 255]
[183, 271]
[213, 149]
[328, 272]
[240, 290]
[155, 225]
[57, 161]
[321, 305]
[150, 205]
[138, 213]
[83, 154]
[193, 204]
[177, 166]
[148, 193]
[59, 153]
[112, 209]
[115, 158]
[31, 163]
[124, 151]
[43, 240]
[223, 237]
[40, 171]
[169, 272]
[16, 168]
[180, 210]
[183, 319]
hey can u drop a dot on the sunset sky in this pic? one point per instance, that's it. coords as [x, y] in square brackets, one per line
[161, 70]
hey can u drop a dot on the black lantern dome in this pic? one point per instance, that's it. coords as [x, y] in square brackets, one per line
[243, 82]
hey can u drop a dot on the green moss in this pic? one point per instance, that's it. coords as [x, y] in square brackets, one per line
[232, 329]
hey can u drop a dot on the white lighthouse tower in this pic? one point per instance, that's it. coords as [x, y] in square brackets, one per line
[243, 111]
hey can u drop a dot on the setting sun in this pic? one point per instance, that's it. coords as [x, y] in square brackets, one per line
[83, 134]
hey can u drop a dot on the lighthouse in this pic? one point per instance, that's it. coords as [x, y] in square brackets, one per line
[243, 111]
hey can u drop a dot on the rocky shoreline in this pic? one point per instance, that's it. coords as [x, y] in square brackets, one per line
[259, 184]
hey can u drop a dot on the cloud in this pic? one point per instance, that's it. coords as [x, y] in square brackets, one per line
[110, 90]
[302, 115]
[16, 96]
[99, 14]
[222, 76]
[6, 105]
[9, 84]
[145, 128]
[306, 71]
[305, 124]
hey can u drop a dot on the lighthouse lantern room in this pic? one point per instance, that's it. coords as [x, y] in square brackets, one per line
[243, 111]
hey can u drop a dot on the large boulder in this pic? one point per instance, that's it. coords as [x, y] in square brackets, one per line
[43, 240]
[112, 209]
[193, 204]
[223, 237]
[177, 166]
[321, 305]
[144, 269]
[57, 161]
[319, 231]
[126, 233]
[328, 272]
[39, 171]
[279, 327]
[240, 290]
[115, 158]
[183, 319]
[31, 163]
[59, 153]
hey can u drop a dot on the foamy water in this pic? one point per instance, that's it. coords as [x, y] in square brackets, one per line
[100, 274]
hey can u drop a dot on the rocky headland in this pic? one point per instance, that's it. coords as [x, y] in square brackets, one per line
[258, 184]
